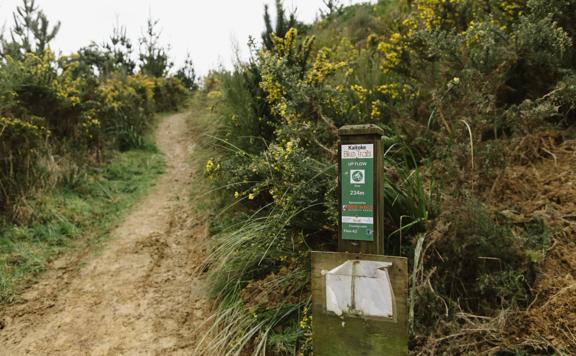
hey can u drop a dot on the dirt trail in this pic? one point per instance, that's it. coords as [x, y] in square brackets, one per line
[140, 295]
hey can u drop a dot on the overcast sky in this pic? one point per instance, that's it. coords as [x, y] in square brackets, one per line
[208, 29]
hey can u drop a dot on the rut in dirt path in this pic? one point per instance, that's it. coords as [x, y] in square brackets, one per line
[141, 294]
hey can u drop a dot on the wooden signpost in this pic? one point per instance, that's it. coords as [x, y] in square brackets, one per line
[359, 296]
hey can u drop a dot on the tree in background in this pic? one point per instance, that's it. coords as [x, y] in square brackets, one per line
[31, 32]
[112, 56]
[153, 57]
[334, 7]
[187, 74]
[283, 24]
[120, 50]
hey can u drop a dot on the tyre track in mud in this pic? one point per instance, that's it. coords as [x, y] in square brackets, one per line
[142, 294]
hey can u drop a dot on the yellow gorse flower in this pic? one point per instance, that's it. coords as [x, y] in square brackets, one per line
[284, 45]
[375, 110]
[392, 50]
[21, 127]
[398, 91]
[211, 167]
[360, 91]
[323, 67]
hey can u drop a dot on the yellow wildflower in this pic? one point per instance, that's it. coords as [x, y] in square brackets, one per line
[361, 92]
[211, 167]
[375, 112]
[289, 147]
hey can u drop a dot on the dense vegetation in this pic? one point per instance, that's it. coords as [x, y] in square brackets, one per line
[63, 120]
[463, 89]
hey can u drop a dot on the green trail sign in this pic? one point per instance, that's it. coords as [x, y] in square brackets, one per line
[357, 177]
[361, 220]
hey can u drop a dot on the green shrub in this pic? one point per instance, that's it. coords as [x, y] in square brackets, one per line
[33, 87]
[47, 105]
[126, 106]
[169, 94]
[476, 249]
[22, 148]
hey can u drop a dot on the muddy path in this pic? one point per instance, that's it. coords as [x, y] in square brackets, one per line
[141, 294]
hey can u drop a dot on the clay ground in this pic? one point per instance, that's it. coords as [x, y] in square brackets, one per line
[141, 294]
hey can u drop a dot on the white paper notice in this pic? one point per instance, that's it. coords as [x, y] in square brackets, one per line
[360, 288]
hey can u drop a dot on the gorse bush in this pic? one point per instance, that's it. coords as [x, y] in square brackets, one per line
[22, 145]
[449, 82]
[34, 88]
[169, 93]
[71, 108]
[127, 104]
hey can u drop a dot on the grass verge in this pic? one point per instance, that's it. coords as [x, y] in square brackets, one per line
[84, 208]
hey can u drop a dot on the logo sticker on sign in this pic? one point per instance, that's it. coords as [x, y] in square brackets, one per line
[357, 184]
[357, 176]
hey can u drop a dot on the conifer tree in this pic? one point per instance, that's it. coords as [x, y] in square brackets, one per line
[153, 57]
[283, 24]
[31, 32]
[334, 7]
[187, 74]
[120, 50]
[112, 56]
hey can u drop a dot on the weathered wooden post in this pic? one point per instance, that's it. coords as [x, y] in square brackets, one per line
[359, 296]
